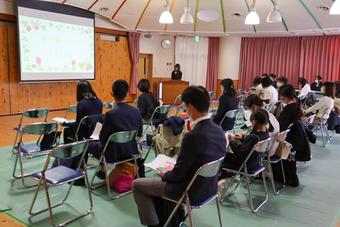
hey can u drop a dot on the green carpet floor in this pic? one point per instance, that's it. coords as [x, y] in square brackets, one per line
[316, 202]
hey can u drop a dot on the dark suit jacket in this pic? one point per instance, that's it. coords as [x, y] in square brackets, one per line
[122, 117]
[205, 143]
[176, 75]
[226, 103]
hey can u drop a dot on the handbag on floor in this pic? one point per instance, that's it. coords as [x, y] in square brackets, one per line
[122, 176]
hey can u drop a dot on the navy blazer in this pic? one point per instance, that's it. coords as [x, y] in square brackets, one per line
[205, 143]
[226, 103]
[122, 117]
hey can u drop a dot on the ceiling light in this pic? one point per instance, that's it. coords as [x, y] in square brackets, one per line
[208, 15]
[274, 16]
[166, 17]
[335, 9]
[187, 18]
[252, 17]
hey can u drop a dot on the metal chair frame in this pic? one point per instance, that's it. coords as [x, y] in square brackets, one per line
[229, 114]
[66, 151]
[70, 109]
[323, 127]
[207, 170]
[242, 172]
[108, 105]
[38, 129]
[280, 137]
[121, 138]
[30, 114]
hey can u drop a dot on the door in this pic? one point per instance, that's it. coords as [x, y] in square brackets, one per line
[145, 68]
[4, 81]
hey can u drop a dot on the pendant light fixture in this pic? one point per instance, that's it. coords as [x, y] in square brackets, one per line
[187, 18]
[274, 16]
[166, 17]
[335, 9]
[252, 17]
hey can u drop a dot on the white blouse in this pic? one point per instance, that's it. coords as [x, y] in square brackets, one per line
[304, 91]
[323, 107]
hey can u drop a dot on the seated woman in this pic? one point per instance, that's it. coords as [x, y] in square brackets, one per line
[147, 102]
[282, 81]
[304, 88]
[228, 101]
[87, 104]
[253, 103]
[334, 118]
[324, 106]
[242, 145]
[270, 94]
[290, 117]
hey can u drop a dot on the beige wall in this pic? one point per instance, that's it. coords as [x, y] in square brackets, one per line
[163, 59]
[229, 57]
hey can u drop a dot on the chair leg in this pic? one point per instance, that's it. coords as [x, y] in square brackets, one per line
[191, 222]
[254, 210]
[323, 136]
[94, 175]
[15, 142]
[219, 211]
[49, 203]
[174, 211]
[283, 174]
[271, 176]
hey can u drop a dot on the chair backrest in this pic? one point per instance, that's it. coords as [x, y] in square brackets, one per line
[88, 123]
[211, 94]
[71, 109]
[263, 145]
[68, 151]
[230, 114]
[163, 109]
[39, 128]
[210, 169]
[123, 137]
[36, 113]
[108, 105]
[178, 99]
[282, 135]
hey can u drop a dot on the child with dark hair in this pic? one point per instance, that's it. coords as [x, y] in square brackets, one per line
[270, 94]
[317, 84]
[304, 87]
[146, 102]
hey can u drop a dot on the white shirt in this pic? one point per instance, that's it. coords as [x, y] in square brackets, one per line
[271, 94]
[195, 122]
[304, 91]
[259, 90]
[272, 119]
[324, 107]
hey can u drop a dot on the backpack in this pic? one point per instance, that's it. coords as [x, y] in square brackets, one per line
[122, 176]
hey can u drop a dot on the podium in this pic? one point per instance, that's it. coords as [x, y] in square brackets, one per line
[168, 90]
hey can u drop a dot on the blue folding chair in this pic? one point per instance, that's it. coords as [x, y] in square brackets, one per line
[244, 173]
[120, 138]
[29, 114]
[72, 109]
[207, 170]
[61, 175]
[28, 151]
[231, 114]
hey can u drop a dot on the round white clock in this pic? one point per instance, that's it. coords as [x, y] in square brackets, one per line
[166, 44]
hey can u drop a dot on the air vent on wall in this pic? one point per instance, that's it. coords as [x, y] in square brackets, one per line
[113, 38]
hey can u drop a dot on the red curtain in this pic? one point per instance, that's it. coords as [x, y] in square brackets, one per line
[213, 59]
[291, 57]
[269, 55]
[320, 55]
[133, 40]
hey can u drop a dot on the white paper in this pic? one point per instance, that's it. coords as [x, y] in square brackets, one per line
[96, 131]
[161, 163]
[60, 120]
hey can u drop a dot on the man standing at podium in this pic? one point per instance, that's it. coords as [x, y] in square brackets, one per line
[176, 74]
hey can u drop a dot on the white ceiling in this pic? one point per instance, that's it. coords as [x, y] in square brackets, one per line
[296, 17]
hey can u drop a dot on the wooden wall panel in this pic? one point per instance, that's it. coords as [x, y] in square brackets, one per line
[4, 83]
[112, 63]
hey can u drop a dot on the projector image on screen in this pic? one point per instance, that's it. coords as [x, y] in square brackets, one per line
[55, 46]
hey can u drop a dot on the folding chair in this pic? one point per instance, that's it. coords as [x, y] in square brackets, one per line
[231, 114]
[108, 105]
[120, 138]
[207, 170]
[87, 123]
[70, 109]
[244, 172]
[179, 106]
[322, 125]
[30, 114]
[61, 175]
[274, 159]
[28, 151]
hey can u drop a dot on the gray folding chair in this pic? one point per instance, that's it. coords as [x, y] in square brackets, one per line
[70, 109]
[160, 110]
[120, 138]
[208, 170]
[108, 105]
[274, 159]
[178, 105]
[28, 151]
[61, 175]
[29, 114]
[244, 173]
[322, 125]
[231, 114]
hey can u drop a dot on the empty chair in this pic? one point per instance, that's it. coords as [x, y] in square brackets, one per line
[61, 175]
[208, 170]
[29, 114]
[244, 173]
[31, 150]
[120, 138]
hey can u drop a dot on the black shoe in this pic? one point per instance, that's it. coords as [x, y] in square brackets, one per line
[100, 175]
[79, 182]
